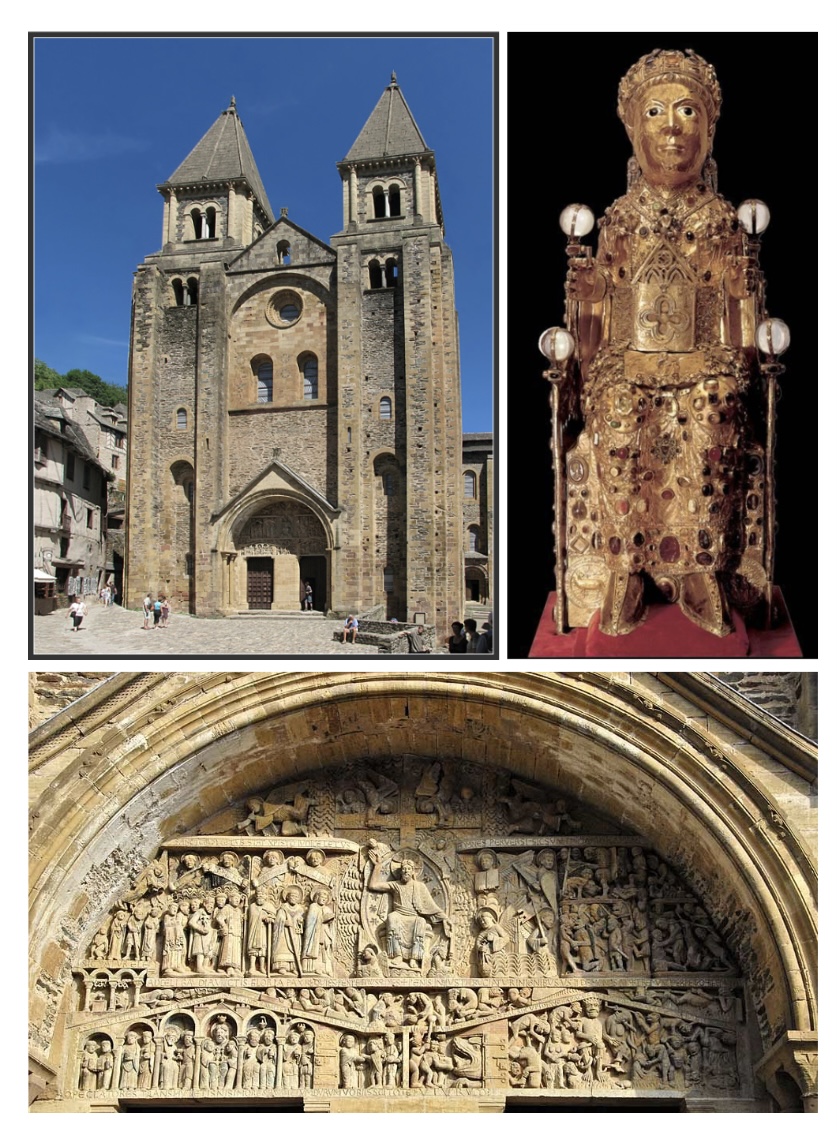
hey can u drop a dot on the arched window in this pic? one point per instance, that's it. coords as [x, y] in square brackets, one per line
[181, 418]
[394, 200]
[197, 223]
[375, 274]
[192, 292]
[283, 252]
[392, 273]
[379, 203]
[263, 368]
[209, 227]
[388, 483]
[474, 539]
[385, 409]
[469, 485]
[177, 288]
[308, 365]
[388, 580]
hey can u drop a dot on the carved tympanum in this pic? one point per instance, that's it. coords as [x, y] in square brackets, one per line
[417, 926]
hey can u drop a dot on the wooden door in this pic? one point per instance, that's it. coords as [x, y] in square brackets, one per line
[260, 583]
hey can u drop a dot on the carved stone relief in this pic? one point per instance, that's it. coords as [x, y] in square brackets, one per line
[413, 925]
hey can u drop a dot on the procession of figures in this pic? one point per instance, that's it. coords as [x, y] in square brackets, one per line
[420, 928]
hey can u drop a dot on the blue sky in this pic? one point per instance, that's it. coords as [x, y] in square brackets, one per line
[114, 117]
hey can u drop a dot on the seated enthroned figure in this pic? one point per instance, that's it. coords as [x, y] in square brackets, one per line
[666, 469]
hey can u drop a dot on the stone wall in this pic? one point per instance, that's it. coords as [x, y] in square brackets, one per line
[50, 692]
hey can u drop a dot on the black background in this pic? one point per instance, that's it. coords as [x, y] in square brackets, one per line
[566, 145]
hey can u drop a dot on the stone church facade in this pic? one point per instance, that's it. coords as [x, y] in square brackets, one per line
[295, 405]
[433, 893]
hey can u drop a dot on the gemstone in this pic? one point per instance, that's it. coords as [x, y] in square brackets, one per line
[614, 545]
[670, 549]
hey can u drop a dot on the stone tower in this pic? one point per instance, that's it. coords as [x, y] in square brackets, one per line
[399, 463]
[295, 407]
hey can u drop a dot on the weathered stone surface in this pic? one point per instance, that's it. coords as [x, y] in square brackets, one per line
[419, 892]
[272, 370]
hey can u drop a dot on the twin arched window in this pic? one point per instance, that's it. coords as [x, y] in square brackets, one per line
[283, 252]
[263, 370]
[181, 418]
[386, 202]
[385, 409]
[185, 296]
[203, 222]
[386, 277]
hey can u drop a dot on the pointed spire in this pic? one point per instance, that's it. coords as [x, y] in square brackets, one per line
[390, 131]
[223, 154]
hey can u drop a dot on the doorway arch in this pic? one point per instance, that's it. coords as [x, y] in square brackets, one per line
[279, 544]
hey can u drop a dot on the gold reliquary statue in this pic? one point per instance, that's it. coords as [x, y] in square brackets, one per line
[664, 380]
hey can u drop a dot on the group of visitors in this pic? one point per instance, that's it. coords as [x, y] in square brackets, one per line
[466, 638]
[107, 595]
[156, 612]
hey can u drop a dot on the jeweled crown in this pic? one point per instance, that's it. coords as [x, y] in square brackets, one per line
[671, 66]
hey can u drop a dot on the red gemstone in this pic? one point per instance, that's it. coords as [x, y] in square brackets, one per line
[622, 507]
[714, 453]
[670, 550]
[621, 453]
[667, 494]
[614, 545]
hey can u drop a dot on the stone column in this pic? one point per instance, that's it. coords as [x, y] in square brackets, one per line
[418, 211]
[353, 195]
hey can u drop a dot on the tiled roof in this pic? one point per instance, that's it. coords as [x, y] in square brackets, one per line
[390, 130]
[223, 154]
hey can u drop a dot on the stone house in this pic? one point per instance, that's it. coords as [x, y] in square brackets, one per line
[70, 500]
[295, 404]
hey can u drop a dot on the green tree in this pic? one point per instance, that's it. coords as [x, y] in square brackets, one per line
[45, 376]
[106, 393]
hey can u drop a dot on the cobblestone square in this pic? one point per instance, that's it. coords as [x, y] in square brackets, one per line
[114, 631]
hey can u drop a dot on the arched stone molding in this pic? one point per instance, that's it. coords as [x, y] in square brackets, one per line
[176, 748]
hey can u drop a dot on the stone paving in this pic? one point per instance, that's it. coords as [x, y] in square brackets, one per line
[113, 631]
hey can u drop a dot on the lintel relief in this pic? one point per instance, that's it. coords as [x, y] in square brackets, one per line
[415, 927]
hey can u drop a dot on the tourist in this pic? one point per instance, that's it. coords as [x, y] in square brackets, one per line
[350, 626]
[471, 635]
[157, 610]
[77, 611]
[485, 643]
[308, 599]
[458, 642]
[416, 640]
[147, 604]
[165, 610]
